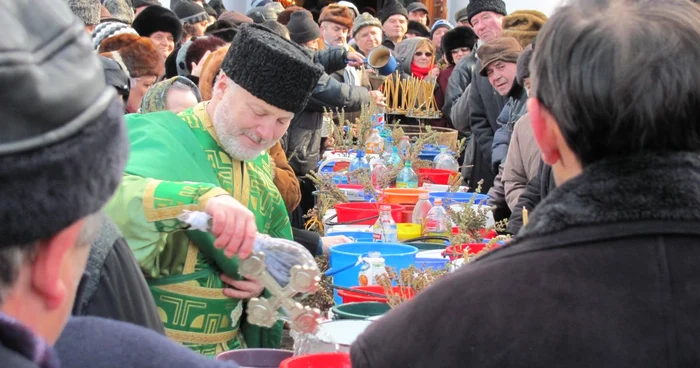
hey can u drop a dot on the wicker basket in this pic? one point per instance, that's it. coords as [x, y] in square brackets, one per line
[448, 137]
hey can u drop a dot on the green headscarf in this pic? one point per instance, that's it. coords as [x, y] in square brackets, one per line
[155, 98]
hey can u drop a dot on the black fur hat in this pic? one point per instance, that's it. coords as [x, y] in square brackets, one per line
[456, 38]
[418, 29]
[477, 6]
[271, 68]
[62, 158]
[157, 19]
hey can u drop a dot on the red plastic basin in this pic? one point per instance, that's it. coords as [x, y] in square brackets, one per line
[350, 297]
[349, 212]
[454, 252]
[435, 176]
[329, 360]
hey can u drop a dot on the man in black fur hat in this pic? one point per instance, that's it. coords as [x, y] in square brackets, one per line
[213, 158]
[605, 272]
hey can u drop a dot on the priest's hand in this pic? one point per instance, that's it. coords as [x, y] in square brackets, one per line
[242, 289]
[233, 225]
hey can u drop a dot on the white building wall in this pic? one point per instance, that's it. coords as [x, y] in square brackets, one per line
[545, 6]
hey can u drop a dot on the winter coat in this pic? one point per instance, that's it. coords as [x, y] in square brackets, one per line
[284, 177]
[497, 198]
[460, 120]
[302, 142]
[98, 342]
[511, 113]
[485, 104]
[459, 81]
[522, 161]
[115, 287]
[22, 348]
[440, 92]
[601, 277]
[535, 192]
[333, 59]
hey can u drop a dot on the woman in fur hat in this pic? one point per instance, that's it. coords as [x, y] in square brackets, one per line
[140, 59]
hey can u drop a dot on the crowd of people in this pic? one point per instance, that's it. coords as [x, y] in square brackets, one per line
[119, 115]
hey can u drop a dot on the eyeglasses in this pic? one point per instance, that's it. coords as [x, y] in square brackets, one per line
[461, 49]
[420, 53]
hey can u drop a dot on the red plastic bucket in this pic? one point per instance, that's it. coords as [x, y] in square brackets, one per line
[454, 252]
[350, 297]
[435, 176]
[349, 212]
[329, 360]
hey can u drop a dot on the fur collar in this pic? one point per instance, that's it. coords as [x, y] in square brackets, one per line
[642, 187]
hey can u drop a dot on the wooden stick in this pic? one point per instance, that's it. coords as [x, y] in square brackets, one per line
[526, 217]
[368, 293]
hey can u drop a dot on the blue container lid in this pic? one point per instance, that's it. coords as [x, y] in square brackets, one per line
[459, 197]
[357, 236]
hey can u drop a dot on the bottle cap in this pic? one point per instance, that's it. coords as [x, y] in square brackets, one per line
[384, 208]
[424, 196]
[375, 130]
[438, 201]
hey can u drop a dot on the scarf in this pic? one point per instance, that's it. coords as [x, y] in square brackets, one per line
[420, 72]
[16, 337]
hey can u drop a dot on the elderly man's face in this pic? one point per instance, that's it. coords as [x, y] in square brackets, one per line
[395, 26]
[488, 25]
[419, 16]
[368, 38]
[502, 75]
[334, 34]
[246, 125]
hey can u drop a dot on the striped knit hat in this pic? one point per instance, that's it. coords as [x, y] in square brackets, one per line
[190, 12]
[106, 30]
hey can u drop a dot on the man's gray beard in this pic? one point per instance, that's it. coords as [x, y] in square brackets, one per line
[231, 145]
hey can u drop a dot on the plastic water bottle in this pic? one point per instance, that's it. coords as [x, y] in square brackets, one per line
[407, 178]
[385, 229]
[404, 146]
[421, 210]
[379, 174]
[395, 159]
[373, 266]
[437, 222]
[359, 162]
[388, 148]
[375, 143]
[445, 161]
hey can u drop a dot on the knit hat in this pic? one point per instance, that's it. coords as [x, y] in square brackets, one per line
[138, 54]
[337, 14]
[440, 23]
[87, 10]
[235, 17]
[63, 158]
[392, 7]
[158, 19]
[478, 6]
[302, 27]
[350, 6]
[365, 20]
[106, 30]
[417, 28]
[120, 10]
[262, 13]
[523, 25]
[190, 13]
[140, 3]
[523, 66]
[284, 16]
[505, 49]
[461, 15]
[271, 68]
[456, 38]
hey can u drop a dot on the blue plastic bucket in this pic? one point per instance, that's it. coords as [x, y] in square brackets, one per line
[399, 256]
[459, 197]
[358, 236]
[431, 258]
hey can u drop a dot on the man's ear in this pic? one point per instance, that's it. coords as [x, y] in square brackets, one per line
[221, 84]
[544, 127]
[49, 262]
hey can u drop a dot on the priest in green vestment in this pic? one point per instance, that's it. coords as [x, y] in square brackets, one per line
[213, 158]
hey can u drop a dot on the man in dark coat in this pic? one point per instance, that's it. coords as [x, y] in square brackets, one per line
[605, 272]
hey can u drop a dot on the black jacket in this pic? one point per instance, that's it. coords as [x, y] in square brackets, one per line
[485, 104]
[604, 275]
[115, 287]
[332, 59]
[536, 191]
[511, 113]
[459, 81]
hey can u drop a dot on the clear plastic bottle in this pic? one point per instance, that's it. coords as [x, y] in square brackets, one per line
[373, 266]
[379, 174]
[385, 229]
[388, 148]
[375, 143]
[437, 222]
[404, 146]
[421, 210]
[407, 178]
[359, 162]
[445, 161]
